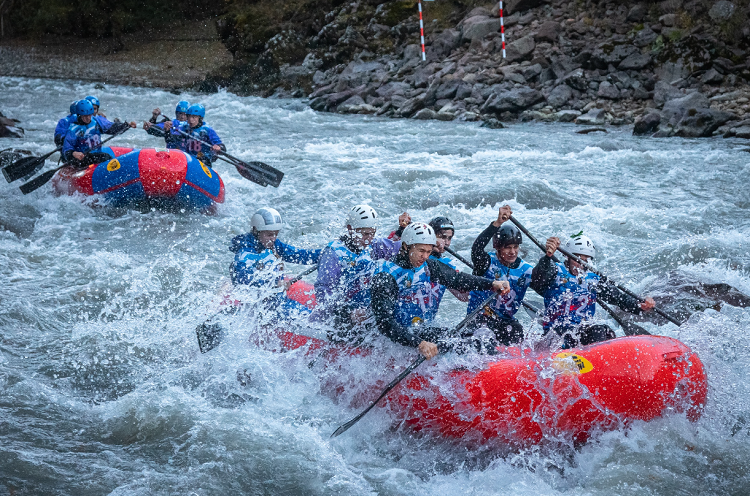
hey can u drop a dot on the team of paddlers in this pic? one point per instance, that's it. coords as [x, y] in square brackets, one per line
[390, 285]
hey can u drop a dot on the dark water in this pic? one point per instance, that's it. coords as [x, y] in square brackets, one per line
[102, 387]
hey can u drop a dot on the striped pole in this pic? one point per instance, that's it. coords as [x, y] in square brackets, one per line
[502, 28]
[421, 28]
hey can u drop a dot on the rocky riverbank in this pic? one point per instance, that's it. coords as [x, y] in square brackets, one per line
[673, 68]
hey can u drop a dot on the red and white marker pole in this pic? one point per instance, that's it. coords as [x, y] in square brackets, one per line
[421, 28]
[502, 28]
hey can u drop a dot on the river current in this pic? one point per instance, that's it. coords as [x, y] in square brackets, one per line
[102, 386]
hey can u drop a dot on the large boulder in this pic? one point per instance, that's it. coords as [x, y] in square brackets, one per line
[513, 6]
[389, 90]
[447, 89]
[647, 124]
[645, 37]
[520, 49]
[445, 43]
[635, 61]
[576, 79]
[593, 117]
[513, 100]
[412, 105]
[664, 92]
[674, 110]
[701, 123]
[608, 90]
[560, 95]
[606, 55]
[477, 27]
[637, 12]
[548, 31]
[722, 10]
[9, 129]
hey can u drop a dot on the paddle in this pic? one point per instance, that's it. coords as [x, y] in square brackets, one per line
[43, 179]
[526, 305]
[26, 166]
[629, 328]
[345, 427]
[255, 171]
[210, 335]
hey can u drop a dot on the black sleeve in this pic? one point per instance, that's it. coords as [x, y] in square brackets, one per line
[384, 296]
[479, 257]
[610, 294]
[543, 275]
[450, 278]
[59, 140]
[117, 128]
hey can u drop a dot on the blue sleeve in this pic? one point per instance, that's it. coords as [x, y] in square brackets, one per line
[62, 127]
[297, 255]
[104, 123]
[385, 249]
[240, 242]
[327, 281]
[213, 138]
[154, 132]
[69, 145]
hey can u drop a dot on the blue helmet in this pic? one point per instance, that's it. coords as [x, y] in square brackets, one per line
[197, 109]
[94, 100]
[84, 107]
[182, 106]
[73, 106]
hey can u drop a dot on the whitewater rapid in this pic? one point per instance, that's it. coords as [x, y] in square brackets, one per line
[103, 389]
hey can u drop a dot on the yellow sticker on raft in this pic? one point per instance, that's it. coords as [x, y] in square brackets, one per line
[205, 169]
[113, 165]
[571, 364]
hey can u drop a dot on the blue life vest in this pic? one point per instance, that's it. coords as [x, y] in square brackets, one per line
[195, 147]
[83, 138]
[263, 268]
[570, 300]
[504, 306]
[357, 270]
[418, 297]
[63, 125]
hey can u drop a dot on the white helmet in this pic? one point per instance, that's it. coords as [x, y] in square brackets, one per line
[418, 233]
[362, 216]
[266, 219]
[580, 245]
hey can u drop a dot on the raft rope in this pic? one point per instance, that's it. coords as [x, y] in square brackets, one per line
[502, 28]
[421, 28]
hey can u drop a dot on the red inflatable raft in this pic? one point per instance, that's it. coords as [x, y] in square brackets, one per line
[521, 397]
[163, 178]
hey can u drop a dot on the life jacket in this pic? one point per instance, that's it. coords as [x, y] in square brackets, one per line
[196, 148]
[63, 125]
[570, 300]
[418, 297]
[449, 262]
[504, 306]
[88, 137]
[357, 270]
[257, 268]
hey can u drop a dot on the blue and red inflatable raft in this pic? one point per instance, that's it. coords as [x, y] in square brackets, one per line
[133, 177]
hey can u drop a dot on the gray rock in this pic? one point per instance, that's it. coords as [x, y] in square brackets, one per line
[701, 123]
[425, 114]
[608, 90]
[645, 37]
[712, 76]
[532, 71]
[513, 6]
[637, 12]
[576, 80]
[728, 97]
[412, 105]
[354, 100]
[388, 90]
[413, 52]
[335, 98]
[323, 90]
[492, 123]
[606, 55]
[548, 31]
[445, 43]
[520, 48]
[477, 27]
[646, 124]
[464, 91]
[721, 11]
[635, 61]
[742, 132]
[664, 92]
[672, 72]
[560, 95]
[514, 100]
[318, 103]
[447, 89]
[593, 117]
[568, 115]
[674, 110]
[668, 20]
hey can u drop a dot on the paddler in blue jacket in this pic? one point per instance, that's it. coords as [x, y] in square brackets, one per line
[84, 135]
[260, 256]
[168, 129]
[196, 130]
[570, 293]
[342, 289]
[505, 265]
[64, 124]
[405, 292]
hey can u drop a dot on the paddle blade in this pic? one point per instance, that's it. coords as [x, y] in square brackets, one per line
[273, 176]
[22, 168]
[251, 176]
[210, 335]
[345, 427]
[38, 182]
[631, 329]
